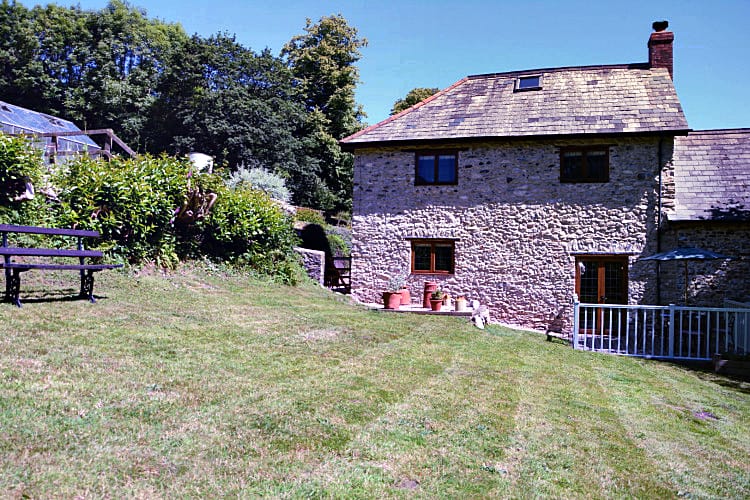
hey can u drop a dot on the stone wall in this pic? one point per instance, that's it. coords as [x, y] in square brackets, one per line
[709, 282]
[314, 263]
[517, 229]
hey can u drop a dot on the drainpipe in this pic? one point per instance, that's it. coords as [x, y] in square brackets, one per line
[658, 222]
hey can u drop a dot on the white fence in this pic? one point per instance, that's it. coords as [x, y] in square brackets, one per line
[661, 331]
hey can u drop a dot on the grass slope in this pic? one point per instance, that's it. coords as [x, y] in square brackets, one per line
[203, 385]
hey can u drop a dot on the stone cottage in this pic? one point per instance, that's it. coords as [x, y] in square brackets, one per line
[521, 189]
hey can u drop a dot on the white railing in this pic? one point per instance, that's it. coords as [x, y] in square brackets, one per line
[674, 332]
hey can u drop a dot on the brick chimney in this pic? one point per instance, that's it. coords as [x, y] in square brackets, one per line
[660, 47]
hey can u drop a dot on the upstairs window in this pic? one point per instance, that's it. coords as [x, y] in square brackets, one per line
[436, 168]
[584, 164]
[432, 256]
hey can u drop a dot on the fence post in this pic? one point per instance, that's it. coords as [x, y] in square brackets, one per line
[671, 330]
[576, 311]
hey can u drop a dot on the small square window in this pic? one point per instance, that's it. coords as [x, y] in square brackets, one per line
[531, 82]
[584, 164]
[432, 256]
[436, 168]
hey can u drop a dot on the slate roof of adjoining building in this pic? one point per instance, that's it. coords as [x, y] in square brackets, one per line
[16, 120]
[614, 99]
[712, 175]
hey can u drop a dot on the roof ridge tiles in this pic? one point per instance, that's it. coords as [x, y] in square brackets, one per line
[561, 68]
[717, 131]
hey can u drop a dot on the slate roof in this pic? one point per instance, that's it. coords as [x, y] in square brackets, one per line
[712, 175]
[612, 99]
[17, 120]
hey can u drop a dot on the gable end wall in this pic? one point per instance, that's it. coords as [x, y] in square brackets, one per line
[517, 228]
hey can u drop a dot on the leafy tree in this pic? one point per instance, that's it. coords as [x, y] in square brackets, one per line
[97, 68]
[166, 92]
[220, 98]
[17, 44]
[129, 51]
[413, 97]
[323, 60]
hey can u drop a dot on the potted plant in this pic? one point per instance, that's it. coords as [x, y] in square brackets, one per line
[436, 300]
[460, 303]
[447, 300]
[392, 296]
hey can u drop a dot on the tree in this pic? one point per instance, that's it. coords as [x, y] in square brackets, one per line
[222, 99]
[163, 91]
[414, 96]
[17, 45]
[129, 52]
[97, 68]
[323, 60]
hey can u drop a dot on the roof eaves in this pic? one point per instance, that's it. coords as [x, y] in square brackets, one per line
[352, 146]
[402, 113]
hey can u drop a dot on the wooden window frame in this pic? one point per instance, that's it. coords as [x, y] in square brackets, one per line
[433, 243]
[584, 150]
[437, 154]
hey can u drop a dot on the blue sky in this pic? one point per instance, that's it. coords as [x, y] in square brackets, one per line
[421, 43]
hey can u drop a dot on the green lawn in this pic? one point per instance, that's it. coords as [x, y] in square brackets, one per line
[198, 385]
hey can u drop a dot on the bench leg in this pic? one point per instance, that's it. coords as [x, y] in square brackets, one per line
[87, 286]
[13, 288]
[7, 285]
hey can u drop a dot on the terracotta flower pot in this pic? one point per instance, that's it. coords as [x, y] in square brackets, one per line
[405, 296]
[429, 287]
[436, 304]
[391, 300]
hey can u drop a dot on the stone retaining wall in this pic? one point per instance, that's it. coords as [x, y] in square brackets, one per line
[314, 262]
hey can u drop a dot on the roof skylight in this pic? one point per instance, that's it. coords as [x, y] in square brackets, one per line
[530, 82]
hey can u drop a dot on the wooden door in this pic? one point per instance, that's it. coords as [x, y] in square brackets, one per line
[601, 279]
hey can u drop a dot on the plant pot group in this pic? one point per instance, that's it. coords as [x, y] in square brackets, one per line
[394, 300]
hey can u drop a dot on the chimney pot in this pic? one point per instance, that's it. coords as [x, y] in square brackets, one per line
[660, 47]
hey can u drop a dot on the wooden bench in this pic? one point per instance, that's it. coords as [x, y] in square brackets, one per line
[13, 269]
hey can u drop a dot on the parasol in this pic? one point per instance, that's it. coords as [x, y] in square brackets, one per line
[686, 254]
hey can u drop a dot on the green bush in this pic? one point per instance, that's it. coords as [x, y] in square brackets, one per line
[19, 163]
[247, 227]
[340, 240]
[309, 215]
[339, 247]
[136, 205]
[131, 202]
